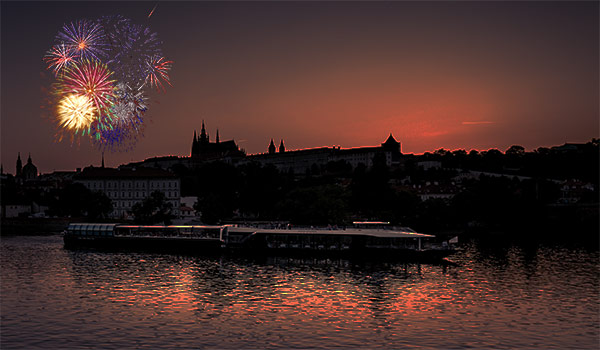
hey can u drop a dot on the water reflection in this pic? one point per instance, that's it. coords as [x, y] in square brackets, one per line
[511, 296]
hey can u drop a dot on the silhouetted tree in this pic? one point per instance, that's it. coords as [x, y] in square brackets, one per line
[218, 186]
[99, 206]
[315, 205]
[515, 150]
[77, 200]
[153, 209]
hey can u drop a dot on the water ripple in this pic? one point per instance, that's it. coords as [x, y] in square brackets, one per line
[512, 297]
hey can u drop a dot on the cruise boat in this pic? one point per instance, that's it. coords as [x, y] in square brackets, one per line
[365, 240]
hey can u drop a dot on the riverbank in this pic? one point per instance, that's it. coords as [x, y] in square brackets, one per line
[34, 226]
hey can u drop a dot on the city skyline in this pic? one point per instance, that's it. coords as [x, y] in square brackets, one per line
[435, 75]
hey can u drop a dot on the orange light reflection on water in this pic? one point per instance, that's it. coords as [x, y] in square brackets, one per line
[181, 291]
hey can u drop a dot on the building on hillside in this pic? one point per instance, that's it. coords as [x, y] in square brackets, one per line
[126, 187]
[429, 164]
[572, 191]
[302, 161]
[165, 163]
[16, 210]
[570, 148]
[435, 190]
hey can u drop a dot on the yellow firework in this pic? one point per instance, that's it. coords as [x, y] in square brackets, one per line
[76, 112]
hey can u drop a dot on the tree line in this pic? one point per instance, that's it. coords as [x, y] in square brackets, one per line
[337, 194]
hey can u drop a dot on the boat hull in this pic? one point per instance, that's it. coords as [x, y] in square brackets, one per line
[154, 244]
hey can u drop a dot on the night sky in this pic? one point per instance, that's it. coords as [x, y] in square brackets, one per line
[472, 75]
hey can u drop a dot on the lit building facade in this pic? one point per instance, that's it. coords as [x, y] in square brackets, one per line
[126, 187]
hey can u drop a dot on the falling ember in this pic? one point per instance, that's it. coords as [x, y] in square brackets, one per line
[76, 113]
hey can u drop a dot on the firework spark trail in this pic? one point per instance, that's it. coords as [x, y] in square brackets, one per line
[158, 67]
[84, 38]
[59, 57]
[151, 12]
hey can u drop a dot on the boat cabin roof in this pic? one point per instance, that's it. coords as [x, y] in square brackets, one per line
[353, 232]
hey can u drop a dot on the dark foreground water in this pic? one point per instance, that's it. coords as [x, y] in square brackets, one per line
[511, 296]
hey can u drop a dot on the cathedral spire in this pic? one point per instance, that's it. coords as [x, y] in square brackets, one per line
[217, 140]
[281, 147]
[195, 145]
[103, 159]
[203, 134]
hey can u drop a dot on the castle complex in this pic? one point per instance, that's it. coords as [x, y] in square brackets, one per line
[296, 161]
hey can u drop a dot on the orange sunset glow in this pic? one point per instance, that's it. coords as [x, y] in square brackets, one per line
[470, 75]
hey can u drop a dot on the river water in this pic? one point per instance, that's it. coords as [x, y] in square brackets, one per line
[496, 296]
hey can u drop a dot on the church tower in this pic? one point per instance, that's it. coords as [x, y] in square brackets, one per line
[281, 147]
[29, 170]
[271, 147]
[217, 140]
[19, 166]
[391, 144]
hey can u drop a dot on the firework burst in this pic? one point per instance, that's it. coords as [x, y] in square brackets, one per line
[103, 69]
[76, 113]
[158, 67]
[132, 62]
[129, 107]
[59, 57]
[120, 34]
[91, 79]
[127, 121]
[84, 38]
